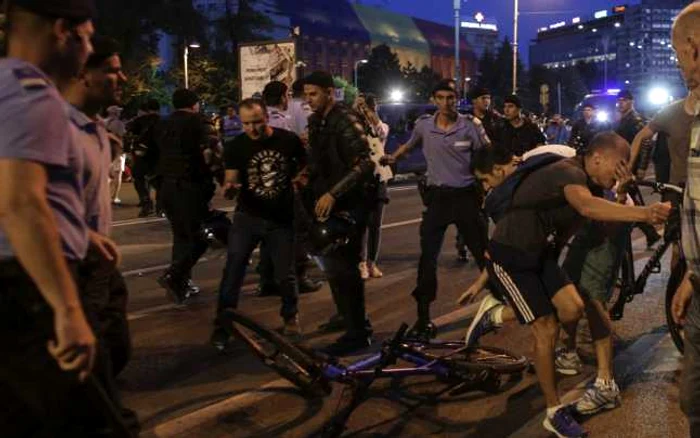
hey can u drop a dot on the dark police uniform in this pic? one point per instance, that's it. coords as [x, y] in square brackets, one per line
[36, 397]
[582, 133]
[145, 156]
[187, 187]
[452, 195]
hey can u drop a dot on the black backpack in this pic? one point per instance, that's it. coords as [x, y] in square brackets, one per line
[498, 202]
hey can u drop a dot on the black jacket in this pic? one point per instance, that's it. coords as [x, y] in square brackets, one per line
[181, 140]
[630, 125]
[582, 133]
[339, 161]
[522, 139]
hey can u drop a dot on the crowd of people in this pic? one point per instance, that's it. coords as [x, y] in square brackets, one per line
[309, 177]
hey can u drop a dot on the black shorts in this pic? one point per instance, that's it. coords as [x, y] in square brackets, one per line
[528, 282]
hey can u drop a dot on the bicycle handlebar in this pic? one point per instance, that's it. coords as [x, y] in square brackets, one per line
[660, 187]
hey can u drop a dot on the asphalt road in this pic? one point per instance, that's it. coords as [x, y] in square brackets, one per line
[180, 386]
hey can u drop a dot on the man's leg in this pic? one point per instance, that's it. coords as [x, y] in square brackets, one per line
[267, 285]
[243, 238]
[436, 217]
[280, 241]
[690, 378]
[472, 224]
[546, 331]
[172, 280]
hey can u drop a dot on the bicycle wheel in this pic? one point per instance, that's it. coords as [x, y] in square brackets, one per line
[289, 361]
[674, 280]
[480, 358]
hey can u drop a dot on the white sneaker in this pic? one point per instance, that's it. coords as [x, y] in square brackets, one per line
[483, 321]
[599, 397]
[116, 201]
[364, 270]
[567, 362]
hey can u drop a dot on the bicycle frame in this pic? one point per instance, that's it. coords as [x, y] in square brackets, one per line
[632, 286]
[373, 367]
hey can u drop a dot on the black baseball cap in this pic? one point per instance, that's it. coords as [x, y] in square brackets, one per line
[625, 94]
[515, 100]
[320, 79]
[477, 92]
[76, 10]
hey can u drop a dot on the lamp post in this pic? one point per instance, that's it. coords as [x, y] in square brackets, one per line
[186, 59]
[457, 7]
[515, 46]
[357, 63]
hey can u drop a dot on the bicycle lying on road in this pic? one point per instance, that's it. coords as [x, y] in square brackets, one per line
[463, 368]
[630, 286]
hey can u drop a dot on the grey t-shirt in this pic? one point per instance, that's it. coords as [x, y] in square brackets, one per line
[91, 136]
[539, 207]
[35, 127]
[676, 124]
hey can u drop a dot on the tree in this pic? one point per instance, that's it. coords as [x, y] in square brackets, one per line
[349, 91]
[382, 71]
[214, 84]
[420, 83]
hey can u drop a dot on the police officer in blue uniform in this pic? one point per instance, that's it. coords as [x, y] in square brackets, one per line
[43, 233]
[448, 140]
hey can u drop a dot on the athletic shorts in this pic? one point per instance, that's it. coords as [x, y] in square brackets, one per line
[528, 282]
[594, 259]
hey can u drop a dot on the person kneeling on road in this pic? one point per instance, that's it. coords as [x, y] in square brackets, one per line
[261, 165]
[522, 263]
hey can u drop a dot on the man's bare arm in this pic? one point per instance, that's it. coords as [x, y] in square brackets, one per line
[581, 199]
[29, 223]
[644, 135]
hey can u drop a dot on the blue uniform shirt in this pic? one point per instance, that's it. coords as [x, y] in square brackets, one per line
[448, 154]
[91, 136]
[35, 126]
[278, 119]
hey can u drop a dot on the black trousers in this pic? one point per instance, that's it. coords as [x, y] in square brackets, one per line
[37, 398]
[247, 231]
[105, 291]
[347, 287]
[446, 206]
[140, 172]
[186, 205]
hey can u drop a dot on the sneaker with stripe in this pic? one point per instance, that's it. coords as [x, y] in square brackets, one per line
[563, 425]
[483, 322]
[601, 396]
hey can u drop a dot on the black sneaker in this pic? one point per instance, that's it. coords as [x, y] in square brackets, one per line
[347, 344]
[175, 290]
[307, 285]
[422, 331]
[192, 289]
[219, 339]
[266, 290]
[334, 324]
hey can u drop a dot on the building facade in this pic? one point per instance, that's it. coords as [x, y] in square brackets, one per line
[631, 46]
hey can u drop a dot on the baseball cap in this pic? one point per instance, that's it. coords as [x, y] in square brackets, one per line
[625, 94]
[478, 92]
[78, 10]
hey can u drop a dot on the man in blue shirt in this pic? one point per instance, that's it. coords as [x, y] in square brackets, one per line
[43, 234]
[448, 140]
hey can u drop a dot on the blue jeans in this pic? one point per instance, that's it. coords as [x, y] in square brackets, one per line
[247, 231]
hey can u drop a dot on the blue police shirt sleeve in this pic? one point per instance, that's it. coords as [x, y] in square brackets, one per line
[33, 122]
[417, 134]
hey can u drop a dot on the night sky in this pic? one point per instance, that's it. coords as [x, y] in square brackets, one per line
[548, 12]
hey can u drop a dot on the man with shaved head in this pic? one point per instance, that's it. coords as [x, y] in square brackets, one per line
[686, 303]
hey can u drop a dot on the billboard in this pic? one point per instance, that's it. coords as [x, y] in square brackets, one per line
[266, 61]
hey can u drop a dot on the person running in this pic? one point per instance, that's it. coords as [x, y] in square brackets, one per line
[547, 206]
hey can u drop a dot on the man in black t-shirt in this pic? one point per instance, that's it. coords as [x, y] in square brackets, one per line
[144, 153]
[261, 166]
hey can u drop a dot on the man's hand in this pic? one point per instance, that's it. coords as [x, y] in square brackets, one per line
[681, 300]
[624, 177]
[231, 190]
[75, 346]
[471, 293]
[658, 213]
[106, 247]
[324, 206]
[387, 160]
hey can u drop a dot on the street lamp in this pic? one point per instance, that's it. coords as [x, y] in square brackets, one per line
[186, 56]
[457, 7]
[357, 63]
[515, 46]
